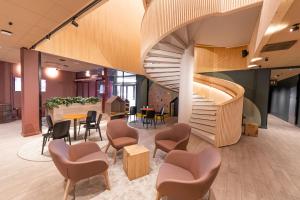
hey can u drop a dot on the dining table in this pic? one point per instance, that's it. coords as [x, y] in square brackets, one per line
[75, 118]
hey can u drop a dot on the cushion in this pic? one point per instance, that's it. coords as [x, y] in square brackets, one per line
[166, 145]
[121, 142]
[172, 172]
[93, 156]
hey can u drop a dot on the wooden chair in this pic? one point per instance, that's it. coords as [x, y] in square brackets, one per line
[149, 118]
[90, 125]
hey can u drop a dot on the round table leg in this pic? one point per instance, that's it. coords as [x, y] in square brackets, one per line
[75, 129]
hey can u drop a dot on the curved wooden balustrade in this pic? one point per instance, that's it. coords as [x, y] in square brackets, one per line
[163, 17]
[229, 109]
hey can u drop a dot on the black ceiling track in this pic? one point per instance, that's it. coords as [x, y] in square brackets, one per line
[68, 21]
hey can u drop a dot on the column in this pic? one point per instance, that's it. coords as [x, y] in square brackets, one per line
[31, 101]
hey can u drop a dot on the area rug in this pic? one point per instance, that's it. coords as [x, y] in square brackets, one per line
[31, 151]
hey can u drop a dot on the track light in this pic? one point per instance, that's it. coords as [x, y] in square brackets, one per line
[294, 28]
[74, 23]
[48, 37]
[6, 32]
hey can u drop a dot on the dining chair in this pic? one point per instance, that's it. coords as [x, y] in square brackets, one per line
[149, 118]
[78, 162]
[90, 126]
[90, 114]
[161, 115]
[188, 176]
[48, 135]
[132, 111]
[61, 130]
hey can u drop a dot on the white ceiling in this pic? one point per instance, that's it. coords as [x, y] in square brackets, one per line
[66, 64]
[32, 20]
[229, 30]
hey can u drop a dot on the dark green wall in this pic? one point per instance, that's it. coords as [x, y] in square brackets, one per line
[256, 84]
[141, 91]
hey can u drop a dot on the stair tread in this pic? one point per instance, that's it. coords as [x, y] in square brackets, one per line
[204, 107]
[204, 135]
[203, 121]
[204, 117]
[164, 53]
[203, 127]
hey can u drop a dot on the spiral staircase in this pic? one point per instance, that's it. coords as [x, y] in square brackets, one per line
[165, 37]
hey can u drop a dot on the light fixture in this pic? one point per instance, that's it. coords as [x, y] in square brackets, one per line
[52, 72]
[6, 32]
[256, 59]
[74, 23]
[251, 66]
[294, 28]
[48, 37]
[87, 73]
[275, 28]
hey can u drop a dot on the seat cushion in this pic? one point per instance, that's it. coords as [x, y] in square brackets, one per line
[93, 156]
[172, 172]
[121, 142]
[166, 145]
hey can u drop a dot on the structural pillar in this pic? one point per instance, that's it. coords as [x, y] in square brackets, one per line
[31, 101]
[106, 89]
[186, 86]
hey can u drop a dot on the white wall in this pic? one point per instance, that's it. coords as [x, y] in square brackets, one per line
[186, 85]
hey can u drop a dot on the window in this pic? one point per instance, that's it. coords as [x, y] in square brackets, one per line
[43, 85]
[18, 84]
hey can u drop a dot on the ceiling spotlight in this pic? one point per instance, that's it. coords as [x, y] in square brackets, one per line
[88, 73]
[48, 37]
[256, 59]
[294, 28]
[74, 23]
[251, 66]
[6, 32]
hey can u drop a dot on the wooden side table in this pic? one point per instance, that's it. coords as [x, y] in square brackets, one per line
[136, 161]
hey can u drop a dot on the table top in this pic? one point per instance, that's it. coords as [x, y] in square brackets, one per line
[74, 116]
[146, 109]
[135, 149]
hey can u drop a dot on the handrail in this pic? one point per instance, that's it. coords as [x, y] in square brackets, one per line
[163, 17]
[229, 112]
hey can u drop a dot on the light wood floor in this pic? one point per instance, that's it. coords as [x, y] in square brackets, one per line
[267, 167]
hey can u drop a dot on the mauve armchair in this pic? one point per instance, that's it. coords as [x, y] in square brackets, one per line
[119, 135]
[175, 138]
[186, 175]
[79, 161]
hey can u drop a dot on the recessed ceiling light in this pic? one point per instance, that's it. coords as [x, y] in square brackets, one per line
[251, 66]
[275, 28]
[6, 32]
[62, 60]
[256, 59]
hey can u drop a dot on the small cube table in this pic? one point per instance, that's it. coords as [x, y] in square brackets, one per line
[136, 161]
[251, 129]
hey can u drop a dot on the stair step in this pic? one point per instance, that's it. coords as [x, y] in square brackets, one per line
[173, 86]
[203, 103]
[205, 128]
[197, 97]
[168, 47]
[203, 121]
[202, 100]
[168, 74]
[155, 70]
[162, 65]
[204, 135]
[163, 53]
[176, 81]
[204, 117]
[205, 107]
[162, 60]
[160, 79]
[176, 40]
[203, 112]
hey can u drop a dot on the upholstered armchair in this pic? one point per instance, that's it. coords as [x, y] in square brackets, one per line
[177, 137]
[188, 176]
[79, 161]
[119, 135]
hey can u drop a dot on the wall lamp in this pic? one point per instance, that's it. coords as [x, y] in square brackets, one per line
[294, 28]
[74, 23]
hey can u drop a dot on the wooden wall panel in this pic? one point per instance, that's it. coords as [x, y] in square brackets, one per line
[109, 36]
[210, 59]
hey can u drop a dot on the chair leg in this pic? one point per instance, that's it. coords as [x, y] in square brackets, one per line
[115, 156]
[79, 129]
[106, 179]
[158, 196]
[107, 148]
[67, 189]
[99, 133]
[44, 143]
[69, 137]
[85, 134]
[154, 152]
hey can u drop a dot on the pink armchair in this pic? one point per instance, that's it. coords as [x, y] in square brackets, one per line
[175, 138]
[119, 135]
[188, 176]
[78, 161]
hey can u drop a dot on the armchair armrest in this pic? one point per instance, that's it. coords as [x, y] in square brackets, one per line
[82, 149]
[181, 144]
[133, 133]
[180, 158]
